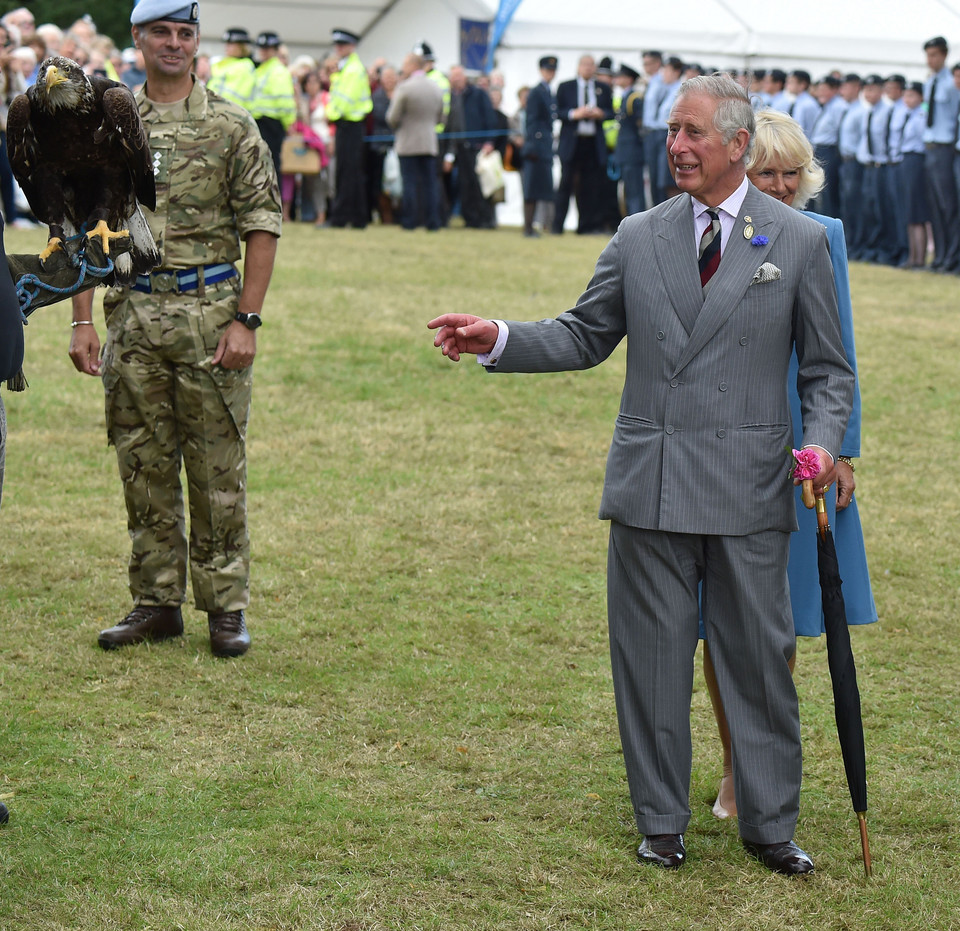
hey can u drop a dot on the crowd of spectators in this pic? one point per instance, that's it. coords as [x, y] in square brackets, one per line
[889, 147]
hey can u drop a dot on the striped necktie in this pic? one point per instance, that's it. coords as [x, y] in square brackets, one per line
[710, 248]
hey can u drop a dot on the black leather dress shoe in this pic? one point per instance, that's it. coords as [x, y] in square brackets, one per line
[663, 850]
[786, 858]
[144, 622]
[228, 633]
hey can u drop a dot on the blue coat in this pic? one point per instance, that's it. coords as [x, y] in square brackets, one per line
[847, 533]
[541, 112]
[802, 568]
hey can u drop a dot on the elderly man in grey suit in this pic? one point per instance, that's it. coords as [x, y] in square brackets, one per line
[713, 289]
[413, 114]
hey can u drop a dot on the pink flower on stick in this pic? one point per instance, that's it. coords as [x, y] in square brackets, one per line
[807, 464]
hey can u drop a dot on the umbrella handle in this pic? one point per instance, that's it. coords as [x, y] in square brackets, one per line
[823, 519]
[806, 493]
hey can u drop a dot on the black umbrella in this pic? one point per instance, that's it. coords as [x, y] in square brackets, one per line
[843, 674]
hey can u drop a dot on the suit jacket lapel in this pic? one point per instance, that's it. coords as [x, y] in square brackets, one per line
[740, 261]
[677, 259]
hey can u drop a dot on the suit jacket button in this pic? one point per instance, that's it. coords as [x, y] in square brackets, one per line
[670, 429]
[721, 433]
[660, 335]
[744, 341]
[674, 383]
[723, 386]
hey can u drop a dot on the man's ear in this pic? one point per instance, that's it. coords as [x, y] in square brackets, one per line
[742, 140]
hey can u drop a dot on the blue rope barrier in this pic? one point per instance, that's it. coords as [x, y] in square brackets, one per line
[473, 134]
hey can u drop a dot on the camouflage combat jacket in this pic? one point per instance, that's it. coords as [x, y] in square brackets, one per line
[215, 179]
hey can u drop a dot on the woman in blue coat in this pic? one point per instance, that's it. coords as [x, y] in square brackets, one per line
[782, 165]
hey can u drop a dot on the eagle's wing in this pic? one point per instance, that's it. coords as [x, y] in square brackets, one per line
[120, 111]
[22, 150]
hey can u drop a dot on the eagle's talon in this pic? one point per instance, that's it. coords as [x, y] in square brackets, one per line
[54, 244]
[105, 234]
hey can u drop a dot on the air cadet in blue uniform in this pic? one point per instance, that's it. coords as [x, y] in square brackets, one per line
[629, 150]
[825, 139]
[893, 90]
[943, 101]
[804, 108]
[537, 173]
[851, 171]
[873, 154]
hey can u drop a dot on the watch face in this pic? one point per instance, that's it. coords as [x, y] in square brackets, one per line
[250, 321]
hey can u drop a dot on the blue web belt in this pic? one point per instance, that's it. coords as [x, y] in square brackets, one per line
[185, 279]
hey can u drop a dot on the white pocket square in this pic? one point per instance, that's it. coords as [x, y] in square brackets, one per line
[766, 272]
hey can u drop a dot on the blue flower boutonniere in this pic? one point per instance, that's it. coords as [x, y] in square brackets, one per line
[759, 241]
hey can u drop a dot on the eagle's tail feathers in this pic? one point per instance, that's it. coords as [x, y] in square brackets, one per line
[143, 256]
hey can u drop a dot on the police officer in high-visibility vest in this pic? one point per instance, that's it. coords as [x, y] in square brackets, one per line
[274, 103]
[348, 106]
[232, 76]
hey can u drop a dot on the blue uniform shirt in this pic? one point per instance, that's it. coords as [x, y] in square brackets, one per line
[875, 141]
[913, 131]
[651, 101]
[805, 111]
[826, 130]
[946, 103]
[851, 129]
[897, 121]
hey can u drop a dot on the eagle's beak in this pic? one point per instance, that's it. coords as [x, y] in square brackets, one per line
[54, 77]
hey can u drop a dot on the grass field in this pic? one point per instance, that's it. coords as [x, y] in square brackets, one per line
[423, 734]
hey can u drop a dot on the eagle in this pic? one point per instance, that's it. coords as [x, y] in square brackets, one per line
[78, 149]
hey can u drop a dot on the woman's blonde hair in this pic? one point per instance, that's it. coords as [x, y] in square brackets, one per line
[779, 139]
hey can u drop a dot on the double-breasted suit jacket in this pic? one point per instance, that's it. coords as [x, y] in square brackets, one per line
[701, 440]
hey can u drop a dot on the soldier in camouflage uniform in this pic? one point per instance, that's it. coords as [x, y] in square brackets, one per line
[176, 364]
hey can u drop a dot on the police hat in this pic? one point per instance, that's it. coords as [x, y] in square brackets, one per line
[268, 40]
[605, 66]
[897, 79]
[423, 49]
[345, 37]
[852, 78]
[235, 34]
[873, 80]
[916, 86]
[173, 11]
[627, 72]
[549, 62]
[831, 80]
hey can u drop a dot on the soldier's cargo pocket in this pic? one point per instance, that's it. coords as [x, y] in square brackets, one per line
[235, 387]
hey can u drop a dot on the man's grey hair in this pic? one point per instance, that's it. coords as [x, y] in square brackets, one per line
[734, 111]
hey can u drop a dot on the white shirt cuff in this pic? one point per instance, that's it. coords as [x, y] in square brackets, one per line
[826, 451]
[493, 357]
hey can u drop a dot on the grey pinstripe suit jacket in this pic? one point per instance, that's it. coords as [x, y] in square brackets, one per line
[701, 440]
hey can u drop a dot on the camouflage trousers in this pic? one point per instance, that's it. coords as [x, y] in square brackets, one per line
[166, 405]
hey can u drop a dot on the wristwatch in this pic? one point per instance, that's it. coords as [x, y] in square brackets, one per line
[250, 321]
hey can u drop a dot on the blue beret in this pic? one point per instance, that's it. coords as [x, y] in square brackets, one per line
[174, 11]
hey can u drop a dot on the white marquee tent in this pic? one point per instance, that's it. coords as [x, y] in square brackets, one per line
[861, 35]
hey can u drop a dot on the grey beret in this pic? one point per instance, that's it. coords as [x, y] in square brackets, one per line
[174, 11]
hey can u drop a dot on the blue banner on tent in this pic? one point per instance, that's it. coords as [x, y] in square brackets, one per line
[474, 37]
